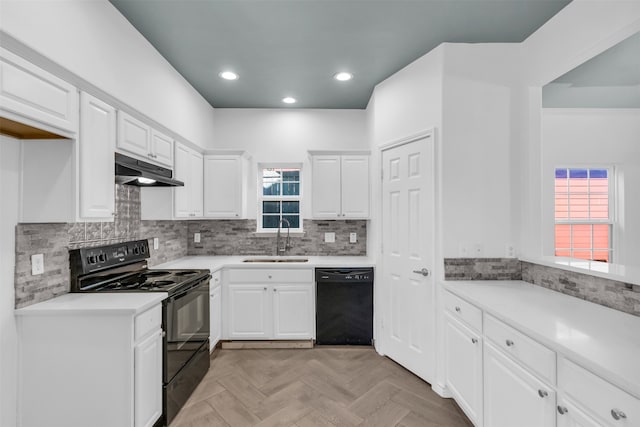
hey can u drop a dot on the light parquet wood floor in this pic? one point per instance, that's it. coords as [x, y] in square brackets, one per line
[323, 386]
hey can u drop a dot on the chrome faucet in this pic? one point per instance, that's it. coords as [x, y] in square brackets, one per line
[287, 246]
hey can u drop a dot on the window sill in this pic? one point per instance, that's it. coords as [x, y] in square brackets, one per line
[275, 233]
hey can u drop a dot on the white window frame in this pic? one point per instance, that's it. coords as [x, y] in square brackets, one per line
[612, 203]
[281, 198]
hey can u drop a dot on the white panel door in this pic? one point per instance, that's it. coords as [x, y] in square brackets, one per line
[181, 195]
[222, 186]
[463, 367]
[355, 186]
[134, 136]
[148, 381]
[196, 184]
[249, 309]
[513, 396]
[408, 324]
[293, 311]
[325, 192]
[96, 147]
[162, 148]
[215, 313]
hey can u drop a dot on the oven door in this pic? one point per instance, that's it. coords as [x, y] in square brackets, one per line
[187, 326]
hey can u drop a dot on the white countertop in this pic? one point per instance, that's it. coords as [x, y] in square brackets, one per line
[99, 303]
[214, 263]
[605, 341]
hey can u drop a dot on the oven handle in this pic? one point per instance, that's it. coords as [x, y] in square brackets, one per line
[182, 293]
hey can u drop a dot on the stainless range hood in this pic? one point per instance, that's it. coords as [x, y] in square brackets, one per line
[131, 171]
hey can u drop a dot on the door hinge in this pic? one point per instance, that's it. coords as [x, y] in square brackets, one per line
[381, 174]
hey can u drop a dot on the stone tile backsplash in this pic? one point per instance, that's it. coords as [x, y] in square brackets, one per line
[610, 293]
[238, 237]
[482, 269]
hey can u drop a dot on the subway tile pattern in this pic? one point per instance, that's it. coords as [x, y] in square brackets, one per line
[610, 293]
[55, 239]
[482, 269]
[238, 237]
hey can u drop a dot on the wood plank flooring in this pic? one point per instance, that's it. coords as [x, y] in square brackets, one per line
[323, 386]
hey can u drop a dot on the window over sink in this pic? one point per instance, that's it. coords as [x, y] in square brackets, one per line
[279, 197]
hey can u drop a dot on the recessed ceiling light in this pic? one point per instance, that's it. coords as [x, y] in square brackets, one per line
[289, 100]
[343, 76]
[228, 75]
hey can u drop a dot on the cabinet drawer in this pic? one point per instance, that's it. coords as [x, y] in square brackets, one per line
[216, 279]
[596, 394]
[462, 310]
[270, 276]
[148, 321]
[530, 353]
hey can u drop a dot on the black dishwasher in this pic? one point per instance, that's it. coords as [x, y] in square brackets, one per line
[344, 306]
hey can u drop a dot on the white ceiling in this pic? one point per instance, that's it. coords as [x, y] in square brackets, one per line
[294, 47]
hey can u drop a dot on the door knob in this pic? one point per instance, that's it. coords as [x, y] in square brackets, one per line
[424, 272]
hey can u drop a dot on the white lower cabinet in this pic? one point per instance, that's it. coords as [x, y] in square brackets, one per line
[148, 380]
[269, 304]
[215, 313]
[512, 395]
[463, 367]
[572, 415]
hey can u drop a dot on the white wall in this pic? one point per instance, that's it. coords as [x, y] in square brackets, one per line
[92, 40]
[9, 173]
[580, 31]
[595, 137]
[285, 135]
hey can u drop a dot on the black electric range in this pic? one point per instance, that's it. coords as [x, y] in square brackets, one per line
[122, 267]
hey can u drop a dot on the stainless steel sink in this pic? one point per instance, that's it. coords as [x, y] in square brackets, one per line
[276, 260]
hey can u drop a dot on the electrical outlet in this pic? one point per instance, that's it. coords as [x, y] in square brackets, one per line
[330, 237]
[464, 250]
[353, 237]
[196, 237]
[156, 243]
[37, 264]
[478, 250]
[509, 251]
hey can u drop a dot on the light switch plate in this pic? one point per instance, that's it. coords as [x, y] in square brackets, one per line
[196, 237]
[37, 264]
[156, 243]
[353, 237]
[330, 237]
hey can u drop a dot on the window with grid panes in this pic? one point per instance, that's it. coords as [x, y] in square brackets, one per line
[583, 213]
[279, 198]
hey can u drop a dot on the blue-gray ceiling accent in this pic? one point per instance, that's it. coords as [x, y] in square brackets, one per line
[294, 47]
[608, 80]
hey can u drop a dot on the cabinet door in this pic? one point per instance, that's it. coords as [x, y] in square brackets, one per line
[148, 381]
[215, 311]
[223, 190]
[249, 311]
[181, 171]
[463, 367]
[513, 396]
[96, 146]
[134, 136]
[196, 179]
[162, 148]
[293, 312]
[325, 193]
[355, 186]
[571, 415]
[34, 94]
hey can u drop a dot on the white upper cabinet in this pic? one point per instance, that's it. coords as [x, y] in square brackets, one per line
[31, 95]
[188, 169]
[96, 146]
[224, 186]
[138, 138]
[340, 186]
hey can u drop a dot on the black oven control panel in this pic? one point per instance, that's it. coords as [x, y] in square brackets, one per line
[87, 260]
